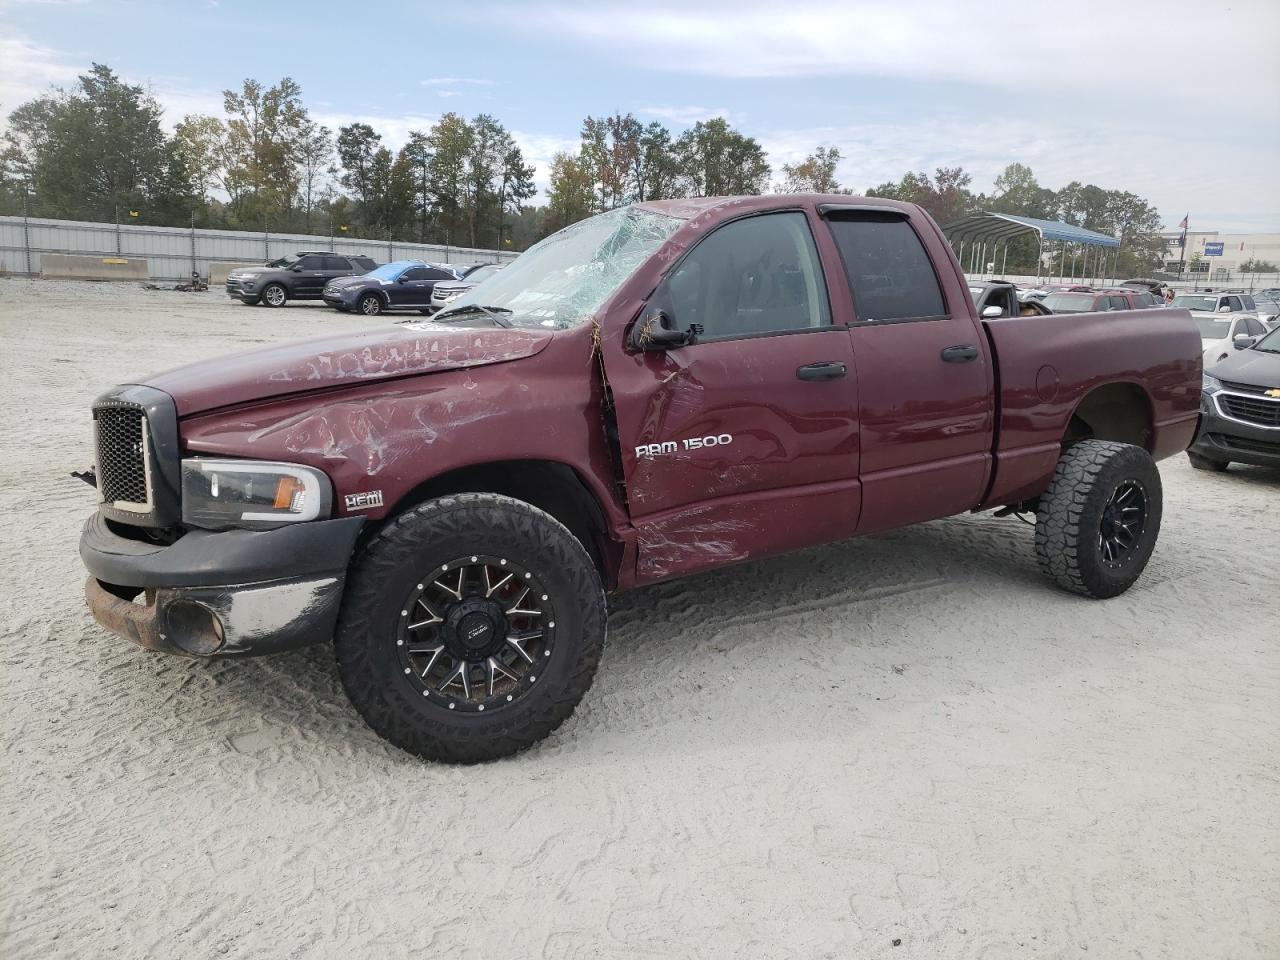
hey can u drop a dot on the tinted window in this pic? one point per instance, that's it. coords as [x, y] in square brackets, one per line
[311, 263]
[363, 263]
[1253, 327]
[1071, 302]
[891, 275]
[1249, 304]
[1234, 303]
[758, 275]
[433, 274]
[414, 273]
[336, 263]
[1119, 303]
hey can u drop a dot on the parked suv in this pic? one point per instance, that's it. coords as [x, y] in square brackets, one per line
[403, 285]
[1098, 301]
[1216, 303]
[301, 276]
[448, 291]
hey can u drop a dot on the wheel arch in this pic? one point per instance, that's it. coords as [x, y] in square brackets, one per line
[1120, 411]
[549, 485]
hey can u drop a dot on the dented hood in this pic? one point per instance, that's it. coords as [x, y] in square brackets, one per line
[402, 350]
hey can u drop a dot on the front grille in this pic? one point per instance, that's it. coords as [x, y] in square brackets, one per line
[1244, 443]
[1263, 412]
[121, 435]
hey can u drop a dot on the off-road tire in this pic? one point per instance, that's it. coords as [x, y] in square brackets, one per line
[1200, 462]
[1070, 516]
[420, 540]
[370, 305]
[266, 295]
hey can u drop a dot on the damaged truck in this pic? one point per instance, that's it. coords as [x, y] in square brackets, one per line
[647, 394]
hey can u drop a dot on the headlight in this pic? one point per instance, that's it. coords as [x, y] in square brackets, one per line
[235, 493]
[1211, 384]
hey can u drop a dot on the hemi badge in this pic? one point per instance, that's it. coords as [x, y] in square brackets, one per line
[1273, 393]
[363, 501]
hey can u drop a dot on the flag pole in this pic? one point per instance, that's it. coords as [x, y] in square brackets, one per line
[1182, 255]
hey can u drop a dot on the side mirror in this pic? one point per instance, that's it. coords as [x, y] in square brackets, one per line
[403, 278]
[990, 312]
[654, 332]
[1242, 341]
[296, 268]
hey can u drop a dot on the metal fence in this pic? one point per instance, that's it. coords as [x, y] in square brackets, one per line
[173, 253]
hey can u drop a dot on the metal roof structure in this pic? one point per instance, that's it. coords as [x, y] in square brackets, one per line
[993, 227]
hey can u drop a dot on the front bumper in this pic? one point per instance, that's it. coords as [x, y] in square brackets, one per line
[229, 593]
[1227, 439]
[243, 289]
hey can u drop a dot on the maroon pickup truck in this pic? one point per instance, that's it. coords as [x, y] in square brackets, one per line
[650, 393]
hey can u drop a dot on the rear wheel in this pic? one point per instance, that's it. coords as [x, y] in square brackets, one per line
[1098, 522]
[274, 295]
[471, 627]
[370, 304]
[1201, 462]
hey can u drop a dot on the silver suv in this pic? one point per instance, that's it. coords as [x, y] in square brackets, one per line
[1210, 302]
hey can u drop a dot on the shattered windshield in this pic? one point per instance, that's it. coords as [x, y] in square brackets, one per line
[561, 281]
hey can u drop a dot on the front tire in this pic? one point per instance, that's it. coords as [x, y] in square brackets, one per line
[1098, 522]
[274, 295]
[471, 626]
[1206, 463]
[370, 304]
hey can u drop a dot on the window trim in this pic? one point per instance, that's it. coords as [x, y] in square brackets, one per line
[854, 209]
[817, 259]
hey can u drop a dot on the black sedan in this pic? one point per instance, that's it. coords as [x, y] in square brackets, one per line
[1240, 407]
[403, 285]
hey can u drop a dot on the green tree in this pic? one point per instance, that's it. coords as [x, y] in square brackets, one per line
[450, 142]
[611, 147]
[571, 194]
[99, 146]
[517, 187]
[655, 172]
[816, 173]
[358, 146]
[201, 142]
[264, 128]
[315, 163]
[1253, 265]
[945, 196]
[716, 160]
[418, 155]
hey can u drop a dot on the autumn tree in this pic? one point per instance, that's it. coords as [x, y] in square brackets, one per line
[716, 160]
[571, 195]
[264, 128]
[816, 173]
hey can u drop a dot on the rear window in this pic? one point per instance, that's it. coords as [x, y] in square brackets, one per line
[1069, 302]
[1214, 329]
[364, 263]
[890, 273]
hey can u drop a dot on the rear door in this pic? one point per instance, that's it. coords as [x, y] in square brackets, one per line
[923, 367]
[746, 442]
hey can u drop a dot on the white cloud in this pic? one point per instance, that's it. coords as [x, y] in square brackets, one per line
[456, 82]
[539, 148]
[683, 115]
[28, 69]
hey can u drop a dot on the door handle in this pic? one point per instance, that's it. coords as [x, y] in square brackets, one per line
[828, 370]
[961, 353]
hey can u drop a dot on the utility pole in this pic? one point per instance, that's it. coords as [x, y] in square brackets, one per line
[26, 229]
[118, 248]
[194, 270]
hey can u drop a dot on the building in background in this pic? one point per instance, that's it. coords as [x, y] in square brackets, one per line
[1237, 249]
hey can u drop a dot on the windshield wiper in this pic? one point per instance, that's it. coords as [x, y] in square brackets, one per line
[466, 308]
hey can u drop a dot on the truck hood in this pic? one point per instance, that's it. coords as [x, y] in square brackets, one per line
[400, 350]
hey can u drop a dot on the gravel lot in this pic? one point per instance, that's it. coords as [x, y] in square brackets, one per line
[905, 746]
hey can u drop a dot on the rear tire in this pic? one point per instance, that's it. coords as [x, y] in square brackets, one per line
[1098, 522]
[370, 304]
[478, 538]
[1201, 462]
[274, 295]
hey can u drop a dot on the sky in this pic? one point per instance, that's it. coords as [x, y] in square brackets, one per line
[1177, 102]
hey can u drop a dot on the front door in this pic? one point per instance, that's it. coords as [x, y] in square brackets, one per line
[309, 276]
[924, 371]
[746, 442]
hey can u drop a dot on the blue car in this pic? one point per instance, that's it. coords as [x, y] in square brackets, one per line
[403, 285]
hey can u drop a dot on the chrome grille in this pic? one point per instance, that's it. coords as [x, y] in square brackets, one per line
[1259, 410]
[122, 442]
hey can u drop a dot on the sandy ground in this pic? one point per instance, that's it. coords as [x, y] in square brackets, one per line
[906, 746]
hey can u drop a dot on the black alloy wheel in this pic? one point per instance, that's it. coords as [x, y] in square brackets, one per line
[474, 631]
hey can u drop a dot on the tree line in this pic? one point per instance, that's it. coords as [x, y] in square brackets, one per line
[100, 147]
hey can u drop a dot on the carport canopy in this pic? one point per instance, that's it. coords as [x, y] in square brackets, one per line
[992, 227]
[983, 233]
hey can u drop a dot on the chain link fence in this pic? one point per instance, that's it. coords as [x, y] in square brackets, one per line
[174, 253]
